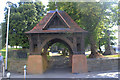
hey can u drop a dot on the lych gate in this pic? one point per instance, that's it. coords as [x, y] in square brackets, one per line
[56, 26]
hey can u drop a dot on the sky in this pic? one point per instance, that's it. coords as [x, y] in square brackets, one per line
[45, 2]
[3, 4]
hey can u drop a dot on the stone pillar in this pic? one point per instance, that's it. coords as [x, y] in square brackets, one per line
[79, 64]
[36, 64]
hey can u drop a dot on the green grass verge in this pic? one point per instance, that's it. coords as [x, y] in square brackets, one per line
[112, 55]
[4, 49]
[109, 56]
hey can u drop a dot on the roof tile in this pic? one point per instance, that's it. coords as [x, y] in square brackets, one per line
[74, 27]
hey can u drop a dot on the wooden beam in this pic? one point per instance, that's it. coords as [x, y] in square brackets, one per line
[39, 44]
[82, 44]
[31, 44]
[74, 45]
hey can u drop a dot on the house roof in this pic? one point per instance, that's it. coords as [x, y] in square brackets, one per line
[42, 25]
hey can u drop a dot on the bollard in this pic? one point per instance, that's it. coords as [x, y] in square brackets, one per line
[24, 72]
[8, 75]
[3, 67]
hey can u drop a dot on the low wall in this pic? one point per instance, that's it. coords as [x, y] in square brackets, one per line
[104, 64]
[16, 65]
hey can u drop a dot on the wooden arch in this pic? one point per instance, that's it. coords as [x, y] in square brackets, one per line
[65, 41]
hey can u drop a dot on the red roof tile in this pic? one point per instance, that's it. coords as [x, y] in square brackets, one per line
[73, 27]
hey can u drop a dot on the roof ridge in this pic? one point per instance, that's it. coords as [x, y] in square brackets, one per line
[63, 19]
[60, 17]
[48, 20]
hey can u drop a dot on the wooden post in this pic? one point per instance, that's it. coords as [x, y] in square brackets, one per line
[39, 45]
[74, 45]
[82, 44]
[31, 44]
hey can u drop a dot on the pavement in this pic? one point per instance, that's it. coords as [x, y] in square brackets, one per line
[0, 75]
[66, 73]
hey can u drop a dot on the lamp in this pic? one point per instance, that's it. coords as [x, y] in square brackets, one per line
[8, 4]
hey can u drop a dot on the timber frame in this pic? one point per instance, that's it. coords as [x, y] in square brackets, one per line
[56, 26]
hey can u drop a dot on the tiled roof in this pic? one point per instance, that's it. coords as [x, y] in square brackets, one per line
[73, 27]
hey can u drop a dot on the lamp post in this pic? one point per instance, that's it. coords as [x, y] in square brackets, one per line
[8, 6]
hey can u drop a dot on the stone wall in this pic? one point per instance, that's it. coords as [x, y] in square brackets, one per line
[16, 65]
[21, 53]
[103, 64]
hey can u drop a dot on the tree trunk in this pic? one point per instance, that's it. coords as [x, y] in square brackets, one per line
[107, 50]
[94, 53]
[100, 47]
[93, 45]
[107, 47]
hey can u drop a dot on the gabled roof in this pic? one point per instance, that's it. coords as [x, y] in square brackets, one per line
[41, 27]
[52, 18]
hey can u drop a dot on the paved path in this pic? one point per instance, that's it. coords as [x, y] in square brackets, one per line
[0, 75]
[66, 73]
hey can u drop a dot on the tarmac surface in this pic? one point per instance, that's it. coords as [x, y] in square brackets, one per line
[66, 73]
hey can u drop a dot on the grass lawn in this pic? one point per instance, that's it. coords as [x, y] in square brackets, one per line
[4, 49]
[110, 56]
[117, 55]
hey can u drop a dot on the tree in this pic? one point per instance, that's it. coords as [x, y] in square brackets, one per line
[119, 26]
[89, 15]
[109, 22]
[119, 13]
[0, 37]
[3, 26]
[23, 18]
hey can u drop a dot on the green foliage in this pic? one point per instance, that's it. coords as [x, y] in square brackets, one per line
[3, 25]
[119, 13]
[23, 18]
[91, 16]
[0, 37]
[60, 45]
[109, 22]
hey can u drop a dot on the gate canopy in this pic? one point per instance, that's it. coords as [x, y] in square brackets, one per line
[56, 26]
